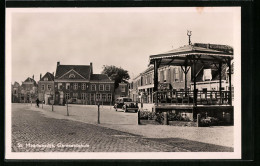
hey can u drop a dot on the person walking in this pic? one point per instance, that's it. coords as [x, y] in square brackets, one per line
[37, 102]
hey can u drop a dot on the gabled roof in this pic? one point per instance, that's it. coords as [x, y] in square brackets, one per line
[83, 70]
[30, 80]
[16, 84]
[100, 77]
[49, 76]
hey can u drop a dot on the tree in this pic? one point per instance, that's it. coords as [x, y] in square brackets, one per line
[116, 74]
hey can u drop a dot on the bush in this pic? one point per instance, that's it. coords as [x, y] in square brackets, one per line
[170, 117]
[159, 117]
[147, 115]
[209, 121]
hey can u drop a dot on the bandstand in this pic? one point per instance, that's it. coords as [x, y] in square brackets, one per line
[189, 57]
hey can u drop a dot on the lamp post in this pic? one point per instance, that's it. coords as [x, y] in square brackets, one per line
[52, 97]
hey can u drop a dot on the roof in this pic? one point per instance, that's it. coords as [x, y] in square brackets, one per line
[30, 80]
[207, 53]
[83, 70]
[100, 77]
[16, 84]
[49, 76]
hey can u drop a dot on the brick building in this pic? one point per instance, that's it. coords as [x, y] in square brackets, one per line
[169, 77]
[16, 92]
[28, 90]
[122, 90]
[46, 88]
[77, 84]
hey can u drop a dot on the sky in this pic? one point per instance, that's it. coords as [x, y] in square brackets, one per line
[124, 37]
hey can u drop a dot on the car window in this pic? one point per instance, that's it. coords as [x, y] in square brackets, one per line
[127, 100]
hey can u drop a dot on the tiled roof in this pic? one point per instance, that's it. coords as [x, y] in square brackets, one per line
[49, 76]
[83, 70]
[100, 77]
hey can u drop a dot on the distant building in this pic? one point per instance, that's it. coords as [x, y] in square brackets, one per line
[46, 88]
[169, 78]
[16, 92]
[122, 90]
[28, 90]
[78, 84]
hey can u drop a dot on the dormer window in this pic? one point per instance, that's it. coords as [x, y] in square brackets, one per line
[72, 76]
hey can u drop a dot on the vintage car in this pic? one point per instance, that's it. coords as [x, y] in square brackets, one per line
[126, 104]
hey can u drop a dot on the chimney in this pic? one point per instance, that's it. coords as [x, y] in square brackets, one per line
[58, 63]
[208, 46]
[40, 76]
[33, 77]
[53, 73]
[91, 67]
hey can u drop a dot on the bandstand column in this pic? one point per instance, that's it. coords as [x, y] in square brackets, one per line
[155, 88]
[194, 84]
[230, 85]
[220, 82]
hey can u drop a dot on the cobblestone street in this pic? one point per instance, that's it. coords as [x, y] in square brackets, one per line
[34, 132]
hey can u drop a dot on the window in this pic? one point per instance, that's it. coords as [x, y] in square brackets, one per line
[107, 87]
[104, 97]
[67, 96]
[71, 76]
[75, 86]
[181, 75]
[92, 96]
[93, 87]
[176, 75]
[60, 86]
[75, 94]
[109, 97]
[101, 87]
[45, 79]
[43, 87]
[98, 96]
[83, 96]
[164, 75]
[67, 85]
[83, 86]
[49, 87]
[14, 91]
[122, 88]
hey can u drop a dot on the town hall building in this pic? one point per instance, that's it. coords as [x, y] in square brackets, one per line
[77, 84]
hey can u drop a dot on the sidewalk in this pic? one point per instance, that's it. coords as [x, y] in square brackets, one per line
[127, 122]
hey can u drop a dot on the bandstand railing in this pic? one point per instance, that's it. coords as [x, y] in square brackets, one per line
[187, 98]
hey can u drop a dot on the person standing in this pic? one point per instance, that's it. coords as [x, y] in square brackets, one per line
[37, 102]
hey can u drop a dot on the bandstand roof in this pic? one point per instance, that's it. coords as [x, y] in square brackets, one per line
[204, 53]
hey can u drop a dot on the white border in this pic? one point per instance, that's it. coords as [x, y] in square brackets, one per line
[131, 155]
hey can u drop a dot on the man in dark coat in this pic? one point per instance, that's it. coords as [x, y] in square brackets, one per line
[37, 102]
